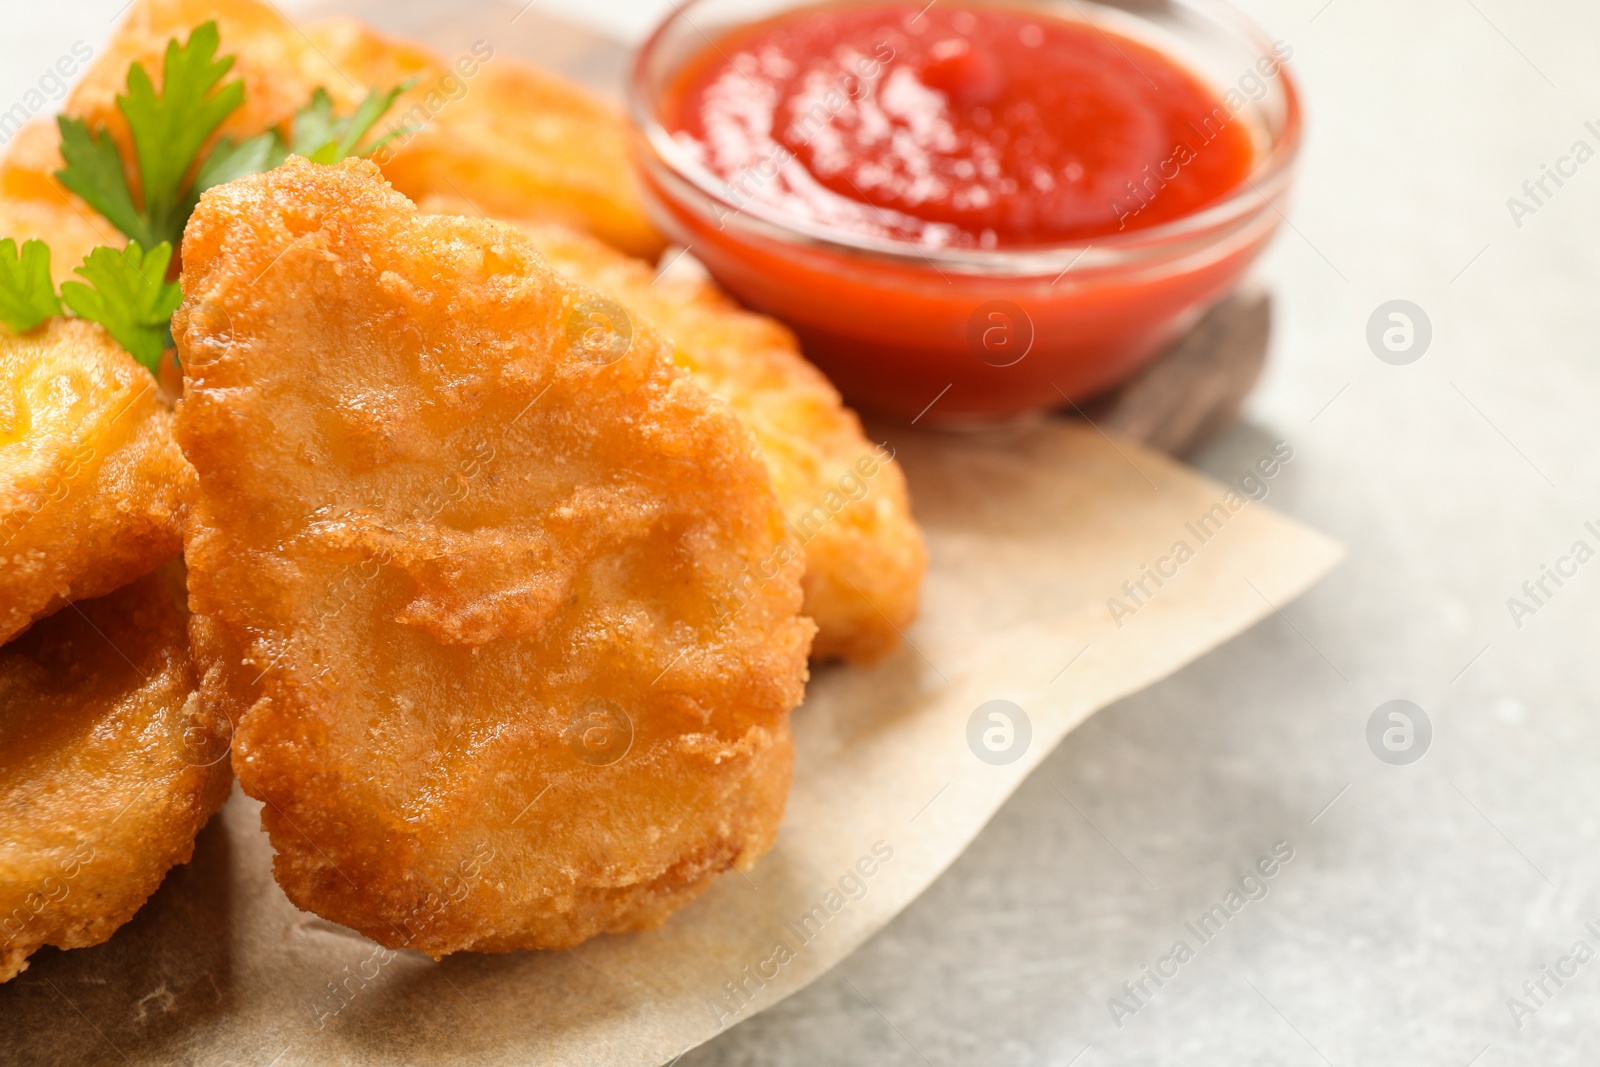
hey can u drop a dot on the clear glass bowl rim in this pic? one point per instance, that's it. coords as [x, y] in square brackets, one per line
[1137, 248]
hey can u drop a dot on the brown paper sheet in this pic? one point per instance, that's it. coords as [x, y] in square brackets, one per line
[1031, 531]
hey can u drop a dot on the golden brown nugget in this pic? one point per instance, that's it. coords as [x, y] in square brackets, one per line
[93, 487]
[845, 498]
[519, 141]
[510, 136]
[279, 67]
[464, 552]
[109, 766]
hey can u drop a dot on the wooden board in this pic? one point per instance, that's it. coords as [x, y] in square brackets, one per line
[1194, 390]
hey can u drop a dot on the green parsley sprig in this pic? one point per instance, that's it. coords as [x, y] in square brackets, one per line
[126, 290]
[168, 129]
[27, 296]
[128, 293]
[315, 133]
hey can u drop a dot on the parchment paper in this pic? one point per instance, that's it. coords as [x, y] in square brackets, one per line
[1031, 532]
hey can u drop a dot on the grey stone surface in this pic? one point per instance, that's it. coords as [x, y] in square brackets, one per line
[1425, 895]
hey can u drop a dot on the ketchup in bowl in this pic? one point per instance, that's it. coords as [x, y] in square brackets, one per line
[998, 208]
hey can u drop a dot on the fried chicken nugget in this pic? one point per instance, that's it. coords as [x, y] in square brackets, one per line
[109, 766]
[518, 140]
[93, 487]
[845, 498]
[472, 553]
[510, 136]
[279, 67]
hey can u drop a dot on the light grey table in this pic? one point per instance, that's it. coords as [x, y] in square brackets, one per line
[1419, 898]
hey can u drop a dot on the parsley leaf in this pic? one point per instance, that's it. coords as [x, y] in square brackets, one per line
[128, 292]
[130, 297]
[229, 160]
[315, 134]
[323, 139]
[94, 172]
[27, 295]
[168, 129]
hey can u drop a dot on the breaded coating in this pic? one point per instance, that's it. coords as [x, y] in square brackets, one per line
[845, 498]
[517, 140]
[509, 600]
[109, 766]
[93, 487]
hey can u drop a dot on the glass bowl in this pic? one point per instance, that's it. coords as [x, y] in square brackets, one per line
[973, 335]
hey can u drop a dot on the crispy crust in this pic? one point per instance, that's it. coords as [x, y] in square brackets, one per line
[457, 537]
[109, 766]
[93, 488]
[845, 498]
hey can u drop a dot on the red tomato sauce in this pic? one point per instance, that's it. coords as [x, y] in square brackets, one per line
[953, 127]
